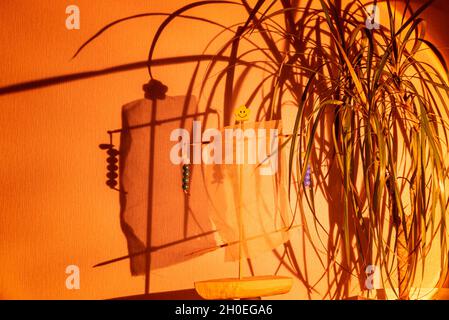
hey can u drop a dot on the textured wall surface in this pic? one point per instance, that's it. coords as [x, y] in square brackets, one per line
[55, 209]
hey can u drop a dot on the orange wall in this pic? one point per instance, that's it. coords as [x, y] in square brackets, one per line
[54, 207]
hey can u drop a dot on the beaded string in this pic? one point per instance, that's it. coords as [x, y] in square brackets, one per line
[186, 173]
[186, 178]
[308, 177]
[112, 160]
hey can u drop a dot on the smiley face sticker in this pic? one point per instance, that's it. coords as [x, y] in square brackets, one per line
[242, 114]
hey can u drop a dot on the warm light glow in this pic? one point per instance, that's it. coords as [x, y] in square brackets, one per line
[55, 209]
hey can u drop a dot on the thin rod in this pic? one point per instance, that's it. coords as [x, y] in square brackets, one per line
[150, 196]
[157, 122]
[240, 217]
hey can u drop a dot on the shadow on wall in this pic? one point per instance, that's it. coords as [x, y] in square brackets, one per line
[338, 287]
[188, 294]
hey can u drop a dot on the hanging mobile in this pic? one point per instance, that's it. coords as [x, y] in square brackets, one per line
[112, 161]
[186, 178]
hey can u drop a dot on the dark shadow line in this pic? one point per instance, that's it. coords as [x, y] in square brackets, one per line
[184, 294]
[153, 249]
[55, 80]
[157, 122]
[150, 14]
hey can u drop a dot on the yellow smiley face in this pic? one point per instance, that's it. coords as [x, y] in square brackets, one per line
[242, 114]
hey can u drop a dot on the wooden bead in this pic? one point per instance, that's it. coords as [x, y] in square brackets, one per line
[112, 160]
[112, 175]
[113, 152]
[111, 183]
[112, 167]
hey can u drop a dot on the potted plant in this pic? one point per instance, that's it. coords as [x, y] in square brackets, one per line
[386, 108]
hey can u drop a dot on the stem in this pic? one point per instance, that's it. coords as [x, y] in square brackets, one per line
[402, 253]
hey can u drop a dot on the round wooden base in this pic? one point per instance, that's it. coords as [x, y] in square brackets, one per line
[245, 288]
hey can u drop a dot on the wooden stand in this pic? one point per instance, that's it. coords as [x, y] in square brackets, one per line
[245, 288]
[241, 287]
